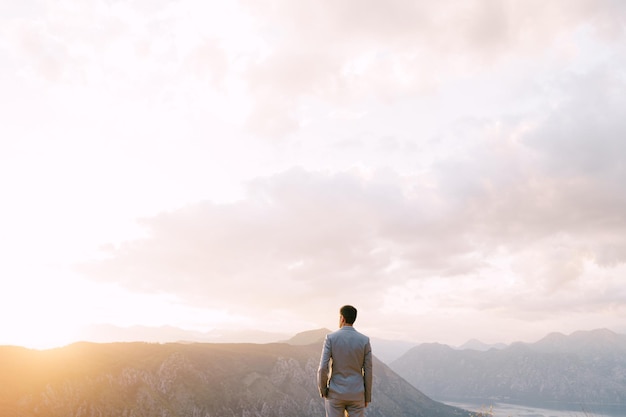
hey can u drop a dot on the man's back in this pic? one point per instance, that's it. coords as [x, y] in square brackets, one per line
[347, 354]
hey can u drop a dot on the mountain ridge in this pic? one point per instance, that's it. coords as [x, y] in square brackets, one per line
[196, 379]
[585, 366]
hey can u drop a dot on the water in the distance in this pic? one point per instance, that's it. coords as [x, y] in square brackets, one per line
[514, 410]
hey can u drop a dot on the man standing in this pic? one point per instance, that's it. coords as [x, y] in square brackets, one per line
[344, 377]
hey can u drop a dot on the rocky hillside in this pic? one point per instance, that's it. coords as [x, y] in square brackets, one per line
[191, 380]
[583, 368]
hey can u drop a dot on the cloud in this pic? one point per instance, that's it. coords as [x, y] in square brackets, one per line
[583, 135]
[302, 239]
[127, 46]
[343, 52]
[487, 136]
[298, 235]
[284, 53]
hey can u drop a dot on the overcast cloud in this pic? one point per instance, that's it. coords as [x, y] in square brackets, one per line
[455, 169]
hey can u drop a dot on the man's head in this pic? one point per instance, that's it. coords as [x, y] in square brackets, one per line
[348, 313]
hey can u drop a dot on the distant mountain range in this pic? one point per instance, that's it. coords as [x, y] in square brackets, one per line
[583, 368]
[187, 379]
[385, 350]
[106, 333]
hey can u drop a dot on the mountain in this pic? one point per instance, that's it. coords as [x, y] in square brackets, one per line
[475, 344]
[309, 337]
[594, 342]
[582, 368]
[385, 350]
[192, 379]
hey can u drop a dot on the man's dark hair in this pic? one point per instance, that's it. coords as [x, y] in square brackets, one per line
[348, 313]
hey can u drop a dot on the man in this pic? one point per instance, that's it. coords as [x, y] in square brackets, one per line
[344, 377]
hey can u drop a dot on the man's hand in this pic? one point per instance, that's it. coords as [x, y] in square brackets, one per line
[366, 404]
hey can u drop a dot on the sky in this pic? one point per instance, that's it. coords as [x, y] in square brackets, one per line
[454, 169]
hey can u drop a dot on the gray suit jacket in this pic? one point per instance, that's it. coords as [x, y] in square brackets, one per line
[345, 370]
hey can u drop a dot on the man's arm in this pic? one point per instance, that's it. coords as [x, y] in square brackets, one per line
[367, 373]
[324, 369]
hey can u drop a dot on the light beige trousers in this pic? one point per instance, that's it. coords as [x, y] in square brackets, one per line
[342, 408]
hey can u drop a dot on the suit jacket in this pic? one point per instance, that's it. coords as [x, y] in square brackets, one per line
[345, 370]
